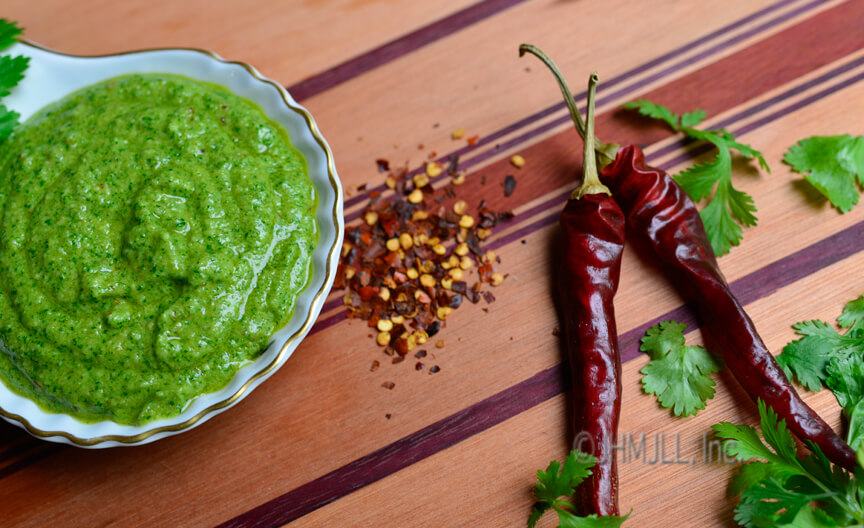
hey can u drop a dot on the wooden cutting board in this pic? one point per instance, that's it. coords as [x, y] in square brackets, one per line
[322, 443]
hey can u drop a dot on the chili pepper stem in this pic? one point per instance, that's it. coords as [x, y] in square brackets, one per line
[590, 178]
[606, 151]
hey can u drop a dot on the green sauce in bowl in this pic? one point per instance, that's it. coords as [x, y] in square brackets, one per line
[155, 233]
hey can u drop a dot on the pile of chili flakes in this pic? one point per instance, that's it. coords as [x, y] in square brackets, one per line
[409, 263]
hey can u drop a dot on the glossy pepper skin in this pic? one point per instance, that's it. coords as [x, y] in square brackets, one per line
[658, 210]
[593, 239]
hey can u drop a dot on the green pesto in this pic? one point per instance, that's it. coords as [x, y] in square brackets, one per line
[155, 233]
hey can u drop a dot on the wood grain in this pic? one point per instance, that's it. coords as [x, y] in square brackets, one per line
[460, 448]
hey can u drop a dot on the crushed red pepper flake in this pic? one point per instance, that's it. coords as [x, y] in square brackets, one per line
[509, 185]
[406, 263]
[435, 369]
[388, 385]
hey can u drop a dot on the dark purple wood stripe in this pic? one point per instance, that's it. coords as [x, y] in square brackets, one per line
[527, 394]
[604, 96]
[400, 47]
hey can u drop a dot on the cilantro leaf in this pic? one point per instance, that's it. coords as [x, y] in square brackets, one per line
[846, 380]
[834, 165]
[11, 72]
[810, 517]
[9, 32]
[855, 435]
[853, 315]
[691, 119]
[729, 210]
[568, 520]
[649, 109]
[679, 375]
[561, 481]
[553, 484]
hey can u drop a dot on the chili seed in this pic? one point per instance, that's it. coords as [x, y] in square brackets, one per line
[383, 338]
[427, 280]
[496, 279]
[416, 196]
[459, 133]
[393, 244]
[460, 207]
[406, 241]
[466, 221]
[421, 180]
[433, 169]
[517, 161]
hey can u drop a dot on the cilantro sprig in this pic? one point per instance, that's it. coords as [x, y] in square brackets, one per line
[779, 489]
[11, 72]
[729, 210]
[561, 481]
[834, 165]
[679, 375]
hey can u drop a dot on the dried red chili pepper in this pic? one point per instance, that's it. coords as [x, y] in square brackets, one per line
[593, 240]
[659, 211]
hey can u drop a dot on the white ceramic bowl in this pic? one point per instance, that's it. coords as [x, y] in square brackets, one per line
[53, 75]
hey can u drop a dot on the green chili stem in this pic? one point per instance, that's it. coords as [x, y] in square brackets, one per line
[605, 151]
[562, 84]
[590, 178]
